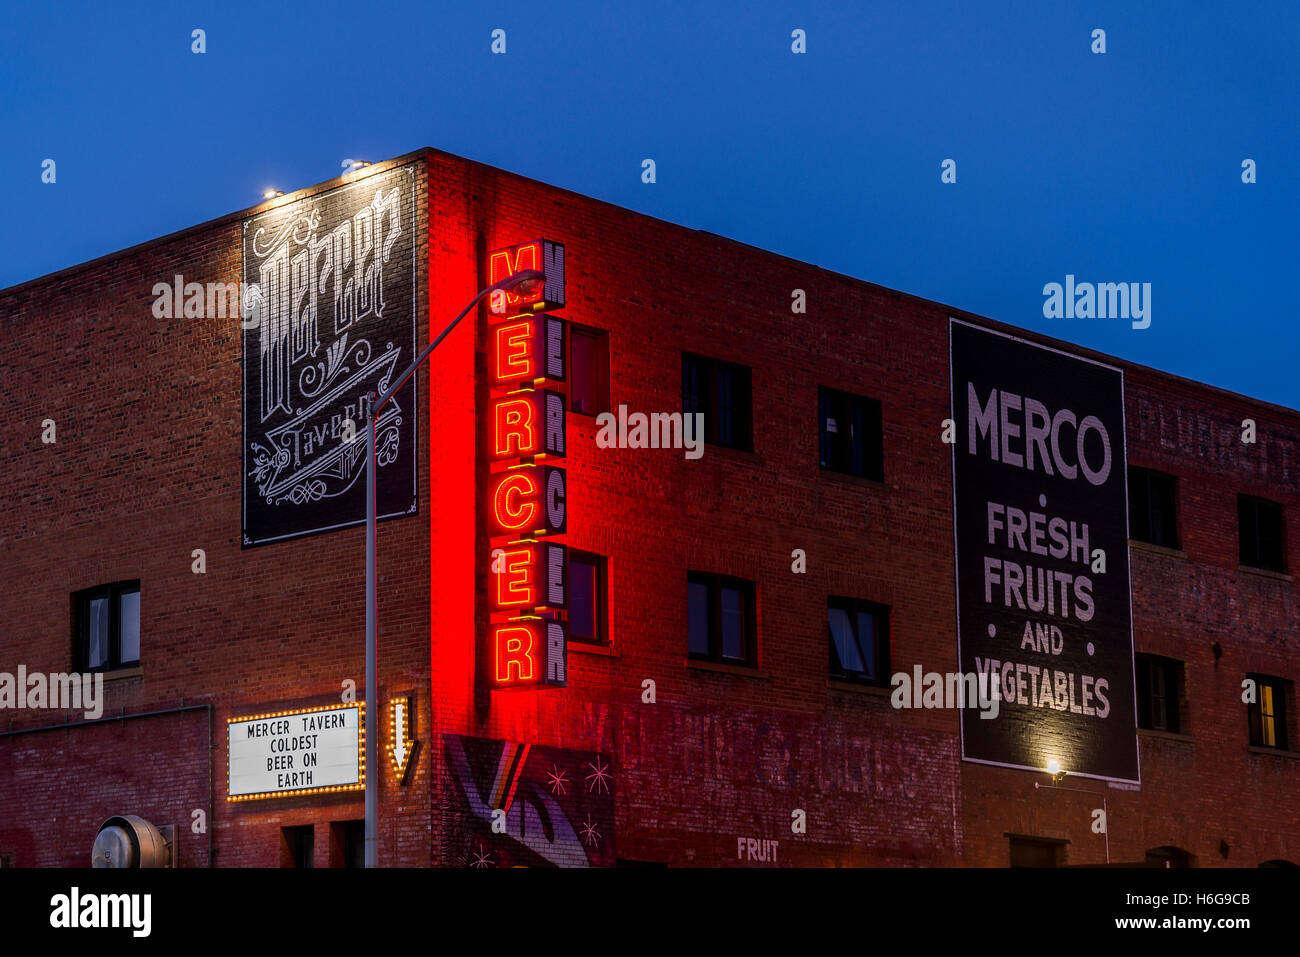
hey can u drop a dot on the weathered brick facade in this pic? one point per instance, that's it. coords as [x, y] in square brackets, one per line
[146, 468]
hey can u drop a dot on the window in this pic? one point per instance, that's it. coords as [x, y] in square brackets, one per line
[587, 590]
[348, 844]
[107, 626]
[1259, 524]
[1168, 856]
[297, 846]
[588, 370]
[1152, 507]
[851, 434]
[859, 640]
[721, 619]
[1036, 852]
[1159, 684]
[1268, 713]
[721, 391]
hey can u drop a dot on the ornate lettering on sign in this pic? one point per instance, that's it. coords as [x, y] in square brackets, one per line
[331, 317]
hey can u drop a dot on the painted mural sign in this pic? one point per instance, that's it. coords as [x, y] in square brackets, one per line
[519, 805]
[1040, 511]
[331, 316]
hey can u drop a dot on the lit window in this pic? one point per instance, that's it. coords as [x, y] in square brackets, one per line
[1267, 713]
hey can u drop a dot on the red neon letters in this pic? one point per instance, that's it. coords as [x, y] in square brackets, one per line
[527, 501]
[540, 254]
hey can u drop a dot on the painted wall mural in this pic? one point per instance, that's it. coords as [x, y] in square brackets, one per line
[329, 316]
[555, 806]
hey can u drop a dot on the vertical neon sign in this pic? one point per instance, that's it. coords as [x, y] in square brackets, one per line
[527, 504]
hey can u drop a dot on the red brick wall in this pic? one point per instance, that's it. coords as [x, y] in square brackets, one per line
[725, 755]
[146, 469]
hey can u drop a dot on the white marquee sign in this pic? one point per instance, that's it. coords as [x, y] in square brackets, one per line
[309, 751]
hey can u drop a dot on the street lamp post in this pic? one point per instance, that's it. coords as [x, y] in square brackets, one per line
[525, 281]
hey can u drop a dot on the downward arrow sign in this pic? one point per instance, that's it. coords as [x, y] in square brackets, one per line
[401, 744]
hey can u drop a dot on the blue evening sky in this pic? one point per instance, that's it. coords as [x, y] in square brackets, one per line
[1117, 167]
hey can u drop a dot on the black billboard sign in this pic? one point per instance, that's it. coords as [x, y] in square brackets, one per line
[329, 316]
[1040, 513]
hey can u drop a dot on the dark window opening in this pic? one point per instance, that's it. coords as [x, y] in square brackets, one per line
[1168, 856]
[298, 846]
[1259, 525]
[851, 434]
[721, 391]
[1035, 852]
[721, 619]
[1152, 507]
[587, 598]
[348, 844]
[1159, 686]
[588, 370]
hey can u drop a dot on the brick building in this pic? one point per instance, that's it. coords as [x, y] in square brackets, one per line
[181, 505]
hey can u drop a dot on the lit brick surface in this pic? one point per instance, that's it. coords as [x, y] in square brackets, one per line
[146, 469]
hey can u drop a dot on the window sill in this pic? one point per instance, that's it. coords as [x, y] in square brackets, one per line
[118, 674]
[1264, 573]
[591, 648]
[1166, 735]
[1157, 549]
[745, 671]
[854, 687]
[730, 451]
[1275, 752]
[848, 478]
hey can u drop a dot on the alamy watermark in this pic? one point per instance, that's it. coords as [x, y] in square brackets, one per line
[56, 692]
[1103, 300]
[208, 300]
[948, 690]
[657, 430]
